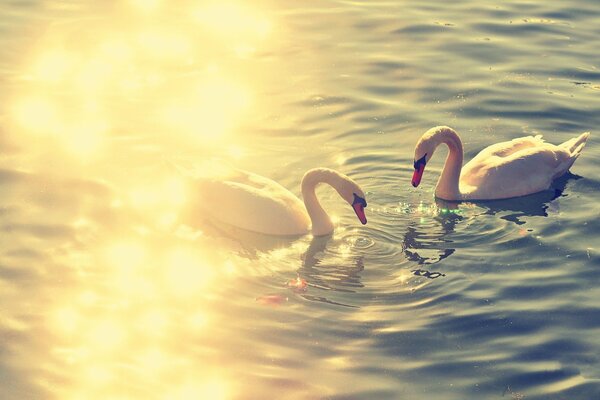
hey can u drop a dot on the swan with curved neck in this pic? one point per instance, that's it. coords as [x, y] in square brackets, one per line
[515, 168]
[255, 203]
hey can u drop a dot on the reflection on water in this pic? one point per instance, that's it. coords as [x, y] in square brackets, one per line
[337, 270]
[421, 239]
[533, 205]
[91, 85]
[107, 290]
[247, 244]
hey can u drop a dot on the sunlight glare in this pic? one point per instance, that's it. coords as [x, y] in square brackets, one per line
[165, 45]
[65, 320]
[198, 321]
[53, 66]
[93, 76]
[84, 137]
[126, 255]
[186, 272]
[106, 335]
[153, 322]
[37, 115]
[164, 194]
[236, 152]
[145, 6]
[213, 388]
[232, 20]
[131, 265]
[153, 361]
[229, 267]
[209, 111]
[403, 276]
[97, 375]
[340, 159]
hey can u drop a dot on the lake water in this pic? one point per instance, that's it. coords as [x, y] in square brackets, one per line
[109, 290]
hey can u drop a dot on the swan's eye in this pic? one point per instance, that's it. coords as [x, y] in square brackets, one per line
[359, 200]
[421, 161]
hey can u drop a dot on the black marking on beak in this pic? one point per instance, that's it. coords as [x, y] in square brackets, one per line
[419, 168]
[359, 200]
[421, 161]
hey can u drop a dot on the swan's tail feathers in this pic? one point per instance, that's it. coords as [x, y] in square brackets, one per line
[576, 145]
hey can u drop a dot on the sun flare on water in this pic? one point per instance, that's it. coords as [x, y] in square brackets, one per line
[108, 94]
[179, 75]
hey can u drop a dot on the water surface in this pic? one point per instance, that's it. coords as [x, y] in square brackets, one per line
[108, 290]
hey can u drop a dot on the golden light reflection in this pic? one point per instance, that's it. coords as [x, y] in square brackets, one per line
[81, 134]
[232, 20]
[93, 76]
[161, 200]
[345, 251]
[213, 388]
[186, 272]
[165, 46]
[154, 361]
[154, 322]
[103, 90]
[106, 334]
[236, 152]
[165, 194]
[65, 321]
[97, 375]
[36, 114]
[84, 137]
[52, 66]
[229, 267]
[205, 112]
[88, 298]
[174, 62]
[145, 5]
[340, 159]
[198, 321]
[403, 276]
[126, 255]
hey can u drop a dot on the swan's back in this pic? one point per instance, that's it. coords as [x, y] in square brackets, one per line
[512, 147]
[251, 202]
[518, 167]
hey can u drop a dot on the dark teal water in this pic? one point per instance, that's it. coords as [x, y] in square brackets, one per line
[108, 291]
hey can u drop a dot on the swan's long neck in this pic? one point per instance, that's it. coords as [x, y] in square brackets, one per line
[448, 184]
[321, 223]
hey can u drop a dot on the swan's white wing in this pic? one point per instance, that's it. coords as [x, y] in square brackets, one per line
[510, 169]
[252, 202]
[506, 149]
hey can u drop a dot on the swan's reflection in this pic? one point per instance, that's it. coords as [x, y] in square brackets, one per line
[537, 204]
[426, 245]
[422, 239]
[247, 244]
[339, 275]
[327, 264]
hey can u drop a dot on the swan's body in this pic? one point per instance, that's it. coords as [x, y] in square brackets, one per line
[515, 168]
[255, 203]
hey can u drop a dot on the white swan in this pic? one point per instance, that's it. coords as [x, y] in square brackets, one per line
[255, 203]
[515, 168]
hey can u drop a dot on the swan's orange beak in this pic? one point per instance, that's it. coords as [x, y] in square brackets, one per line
[359, 205]
[417, 175]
